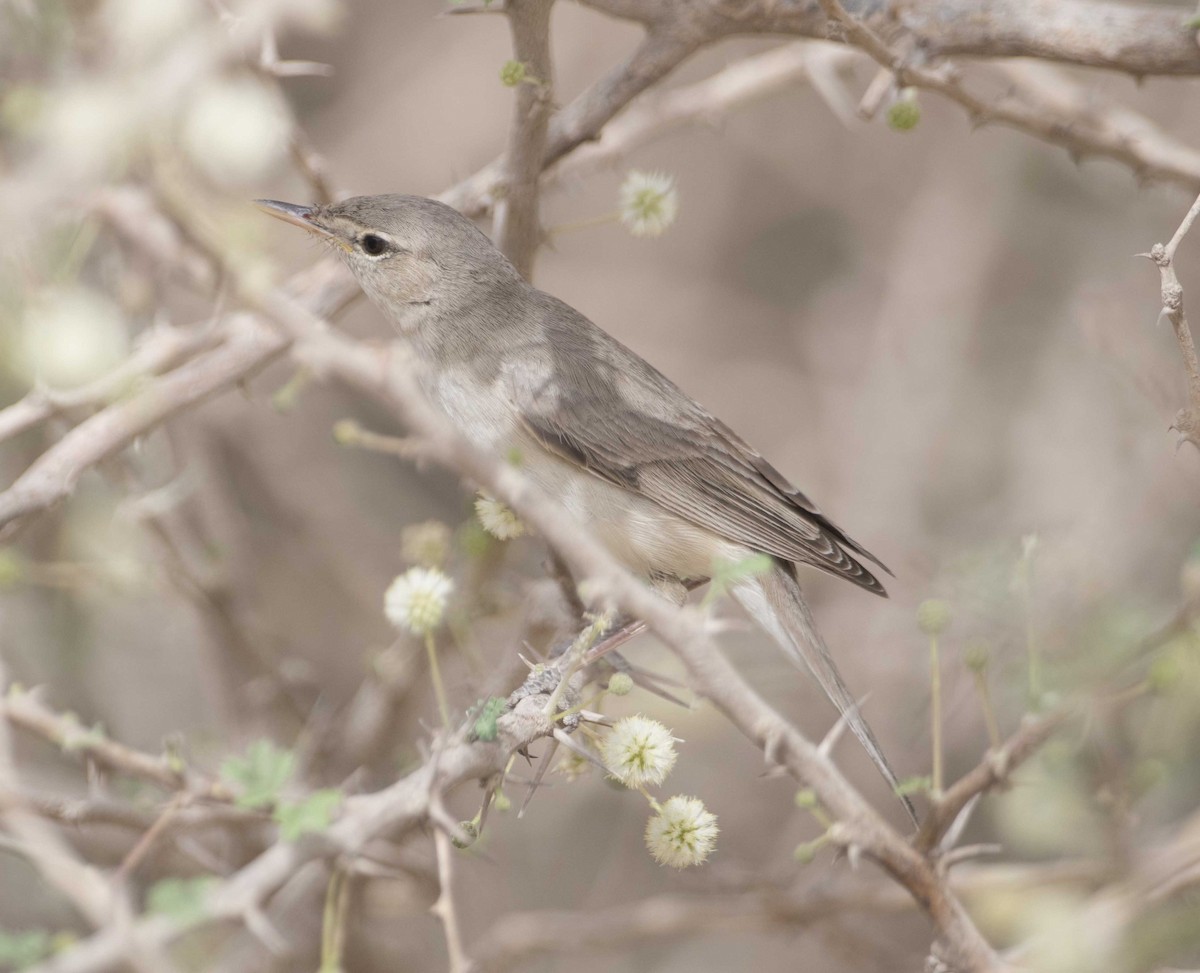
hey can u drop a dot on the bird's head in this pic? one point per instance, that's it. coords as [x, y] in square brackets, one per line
[415, 257]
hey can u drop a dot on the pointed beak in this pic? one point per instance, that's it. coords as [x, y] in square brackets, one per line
[304, 217]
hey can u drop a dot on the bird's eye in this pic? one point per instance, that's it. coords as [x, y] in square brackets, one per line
[373, 244]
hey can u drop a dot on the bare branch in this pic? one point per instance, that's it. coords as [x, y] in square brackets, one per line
[162, 349]
[1187, 422]
[990, 772]
[517, 230]
[581, 121]
[1134, 38]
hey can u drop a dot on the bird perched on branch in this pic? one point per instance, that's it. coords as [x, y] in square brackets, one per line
[667, 487]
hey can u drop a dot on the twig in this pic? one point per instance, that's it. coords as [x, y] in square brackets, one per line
[25, 711]
[1187, 422]
[444, 908]
[163, 349]
[993, 770]
[517, 230]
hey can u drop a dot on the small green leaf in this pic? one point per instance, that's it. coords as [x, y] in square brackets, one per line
[725, 574]
[512, 73]
[260, 775]
[180, 899]
[314, 813]
[914, 785]
[485, 722]
[19, 950]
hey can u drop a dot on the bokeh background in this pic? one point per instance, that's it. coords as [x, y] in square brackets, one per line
[944, 336]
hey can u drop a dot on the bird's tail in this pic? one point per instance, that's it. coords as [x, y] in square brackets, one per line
[775, 602]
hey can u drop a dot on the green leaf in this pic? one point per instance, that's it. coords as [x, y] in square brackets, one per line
[914, 785]
[19, 950]
[314, 813]
[181, 899]
[725, 574]
[260, 775]
[485, 722]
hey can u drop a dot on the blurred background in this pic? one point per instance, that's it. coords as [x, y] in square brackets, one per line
[943, 336]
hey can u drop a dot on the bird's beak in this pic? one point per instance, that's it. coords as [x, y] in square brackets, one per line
[304, 217]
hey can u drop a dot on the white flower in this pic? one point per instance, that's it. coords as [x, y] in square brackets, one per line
[416, 600]
[649, 202]
[683, 832]
[497, 519]
[72, 336]
[236, 130]
[639, 751]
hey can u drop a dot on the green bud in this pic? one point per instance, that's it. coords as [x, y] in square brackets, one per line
[501, 802]
[805, 853]
[977, 656]
[620, 684]
[904, 113]
[806, 798]
[933, 616]
[472, 832]
[346, 432]
[512, 74]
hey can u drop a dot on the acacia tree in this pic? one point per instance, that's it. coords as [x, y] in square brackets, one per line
[132, 128]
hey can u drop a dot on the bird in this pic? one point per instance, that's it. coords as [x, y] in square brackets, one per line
[669, 489]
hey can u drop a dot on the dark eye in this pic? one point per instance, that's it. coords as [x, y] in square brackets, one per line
[373, 244]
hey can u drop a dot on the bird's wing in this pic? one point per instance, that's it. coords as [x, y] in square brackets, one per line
[628, 424]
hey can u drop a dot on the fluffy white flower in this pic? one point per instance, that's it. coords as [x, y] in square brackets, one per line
[416, 600]
[638, 751]
[236, 130]
[72, 336]
[683, 832]
[649, 202]
[497, 519]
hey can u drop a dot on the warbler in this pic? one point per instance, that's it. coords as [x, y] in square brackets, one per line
[667, 487]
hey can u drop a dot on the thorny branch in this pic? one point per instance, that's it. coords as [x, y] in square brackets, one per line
[1187, 422]
[517, 230]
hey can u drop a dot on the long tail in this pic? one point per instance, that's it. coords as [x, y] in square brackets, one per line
[775, 602]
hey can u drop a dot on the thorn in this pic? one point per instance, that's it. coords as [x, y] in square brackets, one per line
[839, 727]
[541, 772]
[958, 825]
[261, 928]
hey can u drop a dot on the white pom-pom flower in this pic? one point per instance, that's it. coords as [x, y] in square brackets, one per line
[416, 600]
[638, 751]
[682, 833]
[649, 202]
[236, 130]
[72, 336]
[497, 519]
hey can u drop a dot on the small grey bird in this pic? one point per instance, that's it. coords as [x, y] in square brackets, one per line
[666, 486]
